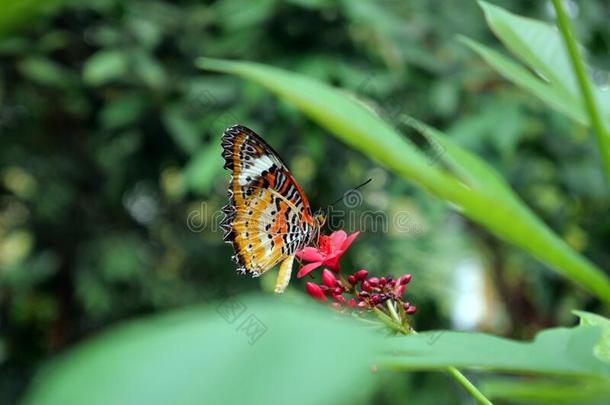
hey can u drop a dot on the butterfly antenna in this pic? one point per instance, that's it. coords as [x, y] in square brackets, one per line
[347, 193]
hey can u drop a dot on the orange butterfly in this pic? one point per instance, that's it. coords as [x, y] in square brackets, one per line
[268, 218]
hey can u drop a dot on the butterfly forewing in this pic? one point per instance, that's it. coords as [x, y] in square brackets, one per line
[268, 217]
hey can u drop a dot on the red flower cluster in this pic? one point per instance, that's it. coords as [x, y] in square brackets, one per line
[358, 290]
[373, 291]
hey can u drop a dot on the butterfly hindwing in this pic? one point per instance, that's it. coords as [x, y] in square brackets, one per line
[268, 217]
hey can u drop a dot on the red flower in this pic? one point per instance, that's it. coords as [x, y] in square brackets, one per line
[328, 254]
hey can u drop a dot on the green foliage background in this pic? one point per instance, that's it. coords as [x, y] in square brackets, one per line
[110, 157]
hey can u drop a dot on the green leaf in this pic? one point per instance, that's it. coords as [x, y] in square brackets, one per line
[46, 72]
[149, 70]
[526, 80]
[105, 66]
[16, 13]
[203, 168]
[218, 354]
[556, 391]
[540, 46]
[557, 351]
[360, 128]
[182, 130]
[534, 42]
[602, 348]
[123, 110]
[469, 167]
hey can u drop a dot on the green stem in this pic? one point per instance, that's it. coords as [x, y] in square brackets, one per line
[453, 372]
[392, 310]
[387, 321]
[602, 136]
[468, 386]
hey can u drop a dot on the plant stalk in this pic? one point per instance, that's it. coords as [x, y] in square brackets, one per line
[602, 135]
[453, 372]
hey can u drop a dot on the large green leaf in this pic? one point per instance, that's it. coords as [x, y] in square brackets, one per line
[558, 351]
[360, 128]
[561, 78]
[470, 168]
[539, 45]
[536, 43]
[243, 350]
[528, 81]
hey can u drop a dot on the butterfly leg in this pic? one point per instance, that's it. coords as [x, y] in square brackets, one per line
[283, 276]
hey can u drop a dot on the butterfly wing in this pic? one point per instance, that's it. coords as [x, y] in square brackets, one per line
[268, 218]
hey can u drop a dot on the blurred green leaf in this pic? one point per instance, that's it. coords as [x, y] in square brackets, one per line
[525, 79]
[536, 43]
[313, 4]
[602, 348]
[359, 127]
[123, 110]
[540, 46]
[271, 350]
[204, 168]
[556, 351]
[15, 13]
[469, 167]
[147, 32]
[105, 66]
[149, 70]
[501, 126]
[53, 41]
[183, 131]
[559, 391]
[235, 15]
[46, 72]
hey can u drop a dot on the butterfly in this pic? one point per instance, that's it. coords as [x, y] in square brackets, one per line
[268, 218]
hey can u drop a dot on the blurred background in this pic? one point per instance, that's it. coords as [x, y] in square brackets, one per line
[111, 178]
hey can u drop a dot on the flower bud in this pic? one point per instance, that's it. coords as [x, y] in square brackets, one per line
[352, 279]
[411, 309]
[373, 281]
[366, 286]
[328, 278]
[315, 291]
[400, 290]
[405, 279]
[361, 274]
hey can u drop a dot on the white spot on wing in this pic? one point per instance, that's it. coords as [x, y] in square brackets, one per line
[258, 166]
[262, 163]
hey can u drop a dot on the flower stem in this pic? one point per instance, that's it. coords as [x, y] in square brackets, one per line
[601, 134]
[468, 386]
[386, 320]
[393, 312]
[394, 323]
